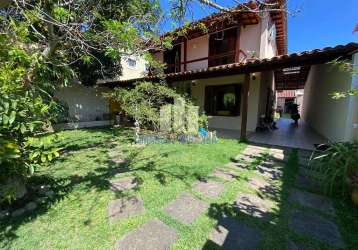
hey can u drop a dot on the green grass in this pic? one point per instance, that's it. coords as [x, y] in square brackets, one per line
[76, 218]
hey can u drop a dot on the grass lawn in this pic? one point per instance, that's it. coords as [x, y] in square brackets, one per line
[76, 217]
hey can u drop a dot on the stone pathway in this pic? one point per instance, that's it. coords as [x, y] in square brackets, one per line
[313, 225]
[310, 223]
[209, 188]
[230, 232]
[154, 235]
[124, 184]
[186, 208]
[124, 208]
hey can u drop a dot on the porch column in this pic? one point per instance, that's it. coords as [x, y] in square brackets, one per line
[245, 104]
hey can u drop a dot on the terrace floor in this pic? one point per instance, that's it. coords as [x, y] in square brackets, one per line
[287, 135]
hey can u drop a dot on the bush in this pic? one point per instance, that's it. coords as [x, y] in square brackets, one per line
[338, 165]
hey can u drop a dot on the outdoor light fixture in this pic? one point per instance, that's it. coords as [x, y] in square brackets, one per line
[253, 76]
[193, 83]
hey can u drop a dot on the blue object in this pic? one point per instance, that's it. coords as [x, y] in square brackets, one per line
[203, 132]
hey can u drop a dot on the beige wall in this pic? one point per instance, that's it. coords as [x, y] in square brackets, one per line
[268, 44]
[226, 122]
[197, 48]
[133, 72]
[250, 39]
[84, 103]
[329, 117]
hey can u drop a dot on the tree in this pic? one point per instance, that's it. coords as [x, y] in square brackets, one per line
[45, 45]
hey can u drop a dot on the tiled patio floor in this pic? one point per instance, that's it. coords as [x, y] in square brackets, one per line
[287, 135]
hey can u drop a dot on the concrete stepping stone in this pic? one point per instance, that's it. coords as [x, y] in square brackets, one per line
[125, 207]
[209, 188]
[315, 226]
[225, 174]
[258, 183]
[123, 184]
[311, 200]
[269, 171]
[154, 235]
[186, 208]
[306, 182]
[294, 246]
[253, 205]
[265, 188]
[230, 234]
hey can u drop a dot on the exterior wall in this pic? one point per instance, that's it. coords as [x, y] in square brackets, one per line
[133, 72]
[197, 48]
[254, 40]
[84, 103]
[250, 39]
[353, 104]
[327, 116]
[268, 47]
[227, 122]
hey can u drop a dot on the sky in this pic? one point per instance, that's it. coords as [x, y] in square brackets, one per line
[318, 24]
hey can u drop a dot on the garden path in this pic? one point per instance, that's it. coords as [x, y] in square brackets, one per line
[313, 215]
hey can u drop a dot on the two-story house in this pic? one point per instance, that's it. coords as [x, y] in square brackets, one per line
[233, 67]
[230, 38]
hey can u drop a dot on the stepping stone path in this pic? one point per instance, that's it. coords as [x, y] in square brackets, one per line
[313, 225]
[125, 207]
[209, 188]
[186, 208]
[231, 234]
[154, 235]
[225, 174]
[253, 205]
[293, 246]
[310, 200]
[124, 184]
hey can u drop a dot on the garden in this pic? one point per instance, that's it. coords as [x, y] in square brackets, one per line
[74, 211]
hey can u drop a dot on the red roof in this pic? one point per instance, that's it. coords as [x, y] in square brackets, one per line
[286, 93]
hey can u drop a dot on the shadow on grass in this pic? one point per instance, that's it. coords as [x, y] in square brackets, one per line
[97, 179]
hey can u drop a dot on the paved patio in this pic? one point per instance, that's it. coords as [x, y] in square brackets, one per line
[287, 135]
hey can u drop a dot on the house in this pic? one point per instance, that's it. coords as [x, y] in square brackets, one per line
[233, 68]
[284, 99]
[86, 105]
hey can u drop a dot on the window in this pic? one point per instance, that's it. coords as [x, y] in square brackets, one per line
[131, 63]
[222, 47]
[173, 58]
[223, 100]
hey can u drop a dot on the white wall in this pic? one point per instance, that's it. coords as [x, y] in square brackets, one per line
[329, 117]
[133, 72]
[228, 122]
[250, 39]
[268, 44]
[85, 103]
[197, 48]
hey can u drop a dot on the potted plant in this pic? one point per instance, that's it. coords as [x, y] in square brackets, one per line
[338, 166]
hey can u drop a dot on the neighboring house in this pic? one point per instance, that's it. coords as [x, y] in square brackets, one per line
[86, 105]
[233, 70]
[284, 98]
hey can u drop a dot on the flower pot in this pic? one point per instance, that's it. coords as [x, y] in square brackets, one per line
[354, 195]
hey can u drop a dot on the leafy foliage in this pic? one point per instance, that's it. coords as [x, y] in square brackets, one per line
[144, 101]
[348, 67]
[26, 105]
[338, 166]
